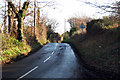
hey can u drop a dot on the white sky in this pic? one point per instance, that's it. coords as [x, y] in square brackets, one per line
[71, 8]
[64, 9]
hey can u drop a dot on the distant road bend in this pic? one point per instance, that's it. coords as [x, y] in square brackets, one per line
[54, 60]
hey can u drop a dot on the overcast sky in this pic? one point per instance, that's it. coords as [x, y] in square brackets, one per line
[64, 9]
[71, 8]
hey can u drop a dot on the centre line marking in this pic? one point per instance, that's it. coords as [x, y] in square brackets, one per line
[27, 73]
[47, 59]
[52, 52]
[55, 46]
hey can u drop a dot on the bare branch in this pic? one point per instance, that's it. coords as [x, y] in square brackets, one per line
[28, 14]
[47, 4]
[25, 6]
[105, 7]
[13, 7]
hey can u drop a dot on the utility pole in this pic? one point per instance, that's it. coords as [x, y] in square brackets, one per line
[73, 22]
[34, 17]
[65, 28]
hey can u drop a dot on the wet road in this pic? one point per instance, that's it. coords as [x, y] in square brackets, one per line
[54, 60]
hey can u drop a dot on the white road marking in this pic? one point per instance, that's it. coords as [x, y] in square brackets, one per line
[55, 46]
[27, 73]
[47, 59]
[53, 52]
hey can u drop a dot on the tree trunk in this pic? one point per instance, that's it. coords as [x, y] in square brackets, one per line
[19, 4]
[10, 19]
[34, 19]
[1, 29]
[14, 29]
[38, 19]
[20, 35]
[5, 19]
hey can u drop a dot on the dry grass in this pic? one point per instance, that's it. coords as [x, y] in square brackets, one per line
[101, 51]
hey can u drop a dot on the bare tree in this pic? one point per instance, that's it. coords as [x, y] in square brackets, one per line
[1, 29]
[114, 8]
[20, 18]
[76, 21]
[38, 18]
[10, 19]
[34, 17]
[5, 20]
[14, 29]
[19, 4]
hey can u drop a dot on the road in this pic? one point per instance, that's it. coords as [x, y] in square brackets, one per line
[54, 60]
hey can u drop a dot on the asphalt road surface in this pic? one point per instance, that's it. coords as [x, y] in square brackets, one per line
[54, 60]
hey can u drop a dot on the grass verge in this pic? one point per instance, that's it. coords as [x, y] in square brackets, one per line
[100, 53]
[13, 50]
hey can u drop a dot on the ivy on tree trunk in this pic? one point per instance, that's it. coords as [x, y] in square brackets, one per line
[20, 15]
[10, 19]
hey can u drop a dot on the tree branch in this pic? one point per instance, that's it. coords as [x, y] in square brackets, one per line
[13, 7]
[25, 6]
[47, 4]
[105, 7]
[28, 14]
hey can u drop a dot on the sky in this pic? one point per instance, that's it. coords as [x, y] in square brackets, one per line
[65, 9]
[72, 8]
